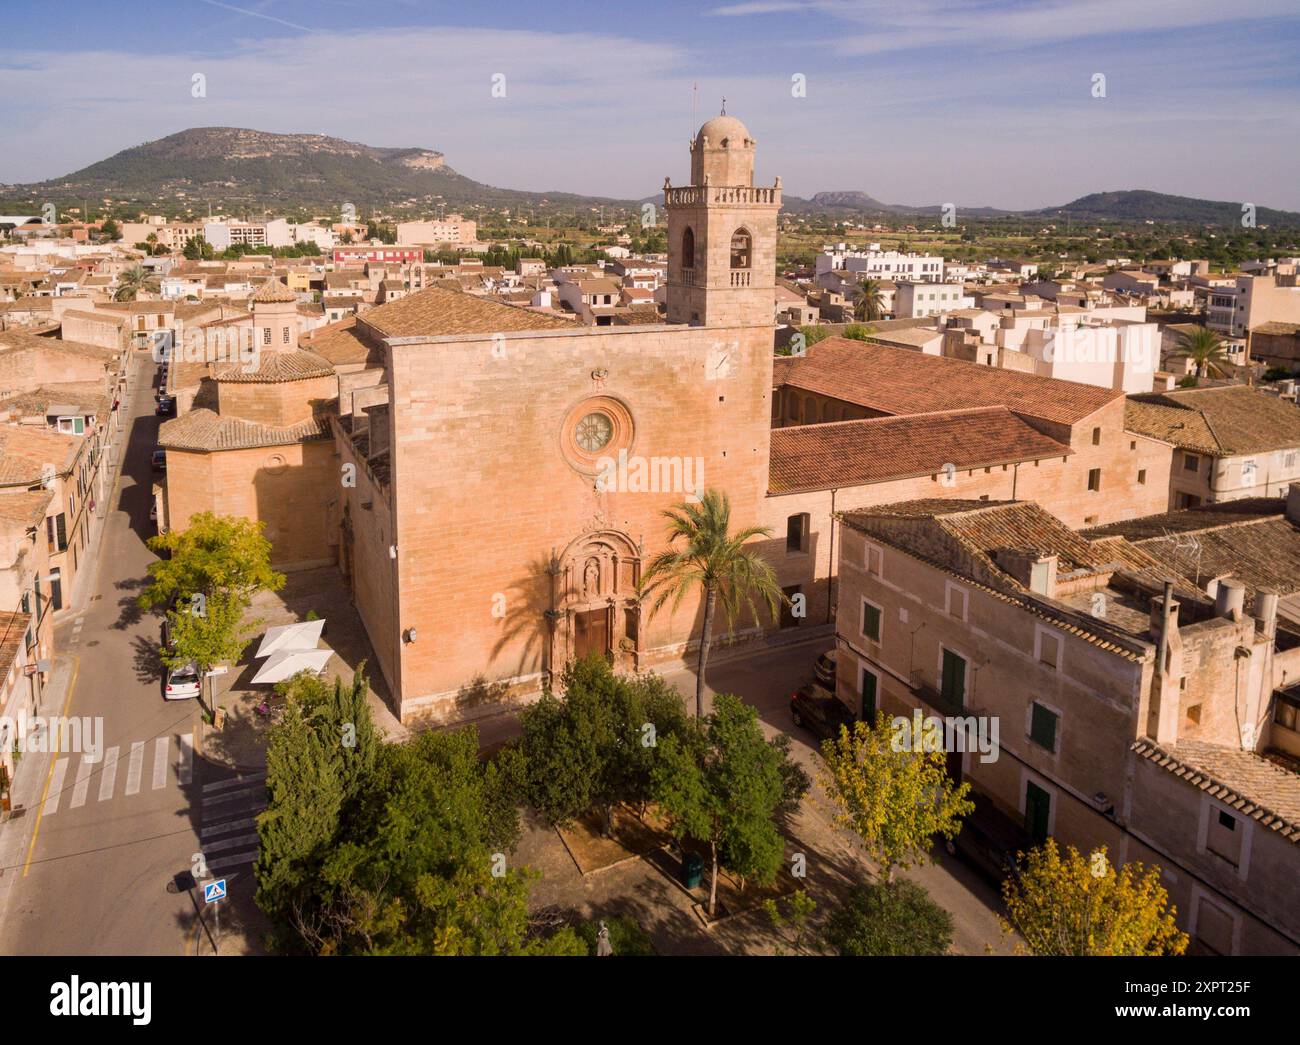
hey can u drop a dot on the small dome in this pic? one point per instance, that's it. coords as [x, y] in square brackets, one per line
[724, 128]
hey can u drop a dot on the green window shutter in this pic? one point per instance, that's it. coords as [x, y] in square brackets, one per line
[868, 697]
[1038, 810]
[871, 622]
[1042, 727]
[62, 524]
[953, 688]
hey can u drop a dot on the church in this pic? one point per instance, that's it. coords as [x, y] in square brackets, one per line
[452, 455]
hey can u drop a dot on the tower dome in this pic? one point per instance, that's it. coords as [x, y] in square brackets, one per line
[722, 153]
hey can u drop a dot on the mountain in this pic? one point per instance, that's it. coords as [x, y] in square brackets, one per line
[237, 170]
[1145, 205]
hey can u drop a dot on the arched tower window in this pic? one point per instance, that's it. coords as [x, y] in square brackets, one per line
[741, 249]
[688, 248]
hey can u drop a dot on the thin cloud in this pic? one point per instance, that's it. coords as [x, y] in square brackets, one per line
[256, 14]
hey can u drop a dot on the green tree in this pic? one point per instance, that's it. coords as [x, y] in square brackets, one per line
[1069, 904]
[1206, 351]
[792, 922]
[596, 745]
[894, 798]
[888, 919]
[214, 554]
[133, 282]
[206, 630]
[110, 231]
[198, 249]
[858, 332]
[721, 785]
[868, 303]
[704, 555]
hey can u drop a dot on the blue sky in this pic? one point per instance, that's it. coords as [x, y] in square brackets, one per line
[976, 102]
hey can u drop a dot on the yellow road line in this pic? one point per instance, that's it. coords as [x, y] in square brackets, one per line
[72, 686]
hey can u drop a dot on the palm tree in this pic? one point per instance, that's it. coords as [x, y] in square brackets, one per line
[1205, 349]
[870, 300]
[131, 282]
[702, 553]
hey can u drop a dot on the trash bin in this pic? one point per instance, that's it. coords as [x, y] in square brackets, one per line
[693, 870]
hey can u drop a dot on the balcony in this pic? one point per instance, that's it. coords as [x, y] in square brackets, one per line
[933, 696]
[715, 195]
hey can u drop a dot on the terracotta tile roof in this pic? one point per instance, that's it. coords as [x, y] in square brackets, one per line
[1242, 780]
[26, 507]
[1236, 539]
[854, 453]
[963, 540]
[25, 451]
[1224, 421]
[25, 339]
[913, 337]
[341, 344]
[87, 397]
[437, 312]
[273, 290]
[901, 381]
[276, 367]
[13, 627]
[204, 431]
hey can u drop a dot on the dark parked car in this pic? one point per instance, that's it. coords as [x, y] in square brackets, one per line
[824, 669]
[166, 406]
[817, 710]
[159, 460]
[990, 840]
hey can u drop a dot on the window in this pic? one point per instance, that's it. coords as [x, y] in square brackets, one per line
[1190, 462]
[796, 533]
[1042, 726]
[873, 560]
[1094, 479]
[1224, 836]
[688, 248]
[870, 621]
[1049, 649]
[1096, 437]
[56, 588]
[1287, 713]
[266, 335]
[1248, 473]
[286, 335]
[952, 685]
[740, 249]
[1142, 477]
[56, 532]
[956, 601]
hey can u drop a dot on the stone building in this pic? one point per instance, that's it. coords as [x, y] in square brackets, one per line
[497, 476]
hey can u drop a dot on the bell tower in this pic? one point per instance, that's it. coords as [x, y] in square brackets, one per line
[722, 234]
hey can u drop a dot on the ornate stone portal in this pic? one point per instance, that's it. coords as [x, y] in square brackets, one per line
[594, 605]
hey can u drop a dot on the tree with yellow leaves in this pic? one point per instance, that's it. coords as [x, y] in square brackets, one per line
[1075, 905]
[893, 797]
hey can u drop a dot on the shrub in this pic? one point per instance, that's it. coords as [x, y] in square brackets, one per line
[888, 919]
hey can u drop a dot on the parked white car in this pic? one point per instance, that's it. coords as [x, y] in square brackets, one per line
[182, 683]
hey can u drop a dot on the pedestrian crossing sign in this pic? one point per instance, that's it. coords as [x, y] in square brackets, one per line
[214, 891]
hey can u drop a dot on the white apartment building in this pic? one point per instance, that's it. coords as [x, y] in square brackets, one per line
[919, 300]
[454, 229]
[883, 264]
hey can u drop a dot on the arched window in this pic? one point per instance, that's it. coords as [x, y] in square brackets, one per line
[741, 243]
[688, 248]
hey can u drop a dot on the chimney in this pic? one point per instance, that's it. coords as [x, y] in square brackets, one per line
[1230, 599]
[1266, 611]
[1036, 572]
[1293, 503]
[1163, 712]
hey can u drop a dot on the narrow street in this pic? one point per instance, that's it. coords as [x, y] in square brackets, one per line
[91, 853]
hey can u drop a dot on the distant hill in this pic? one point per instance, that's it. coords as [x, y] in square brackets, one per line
[1145, 205]
[236, 169]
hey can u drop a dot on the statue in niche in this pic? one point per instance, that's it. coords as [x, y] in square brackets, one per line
[591, 579]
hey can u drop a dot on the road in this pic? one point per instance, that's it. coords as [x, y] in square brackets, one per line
[91, 861]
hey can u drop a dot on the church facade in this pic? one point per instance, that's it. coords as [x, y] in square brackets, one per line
[492, 481]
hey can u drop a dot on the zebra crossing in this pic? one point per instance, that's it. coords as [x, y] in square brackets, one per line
[228, 821]
[173, 759]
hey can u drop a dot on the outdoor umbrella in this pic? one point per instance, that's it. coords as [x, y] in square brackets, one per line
[301, 636]
[287, 663]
